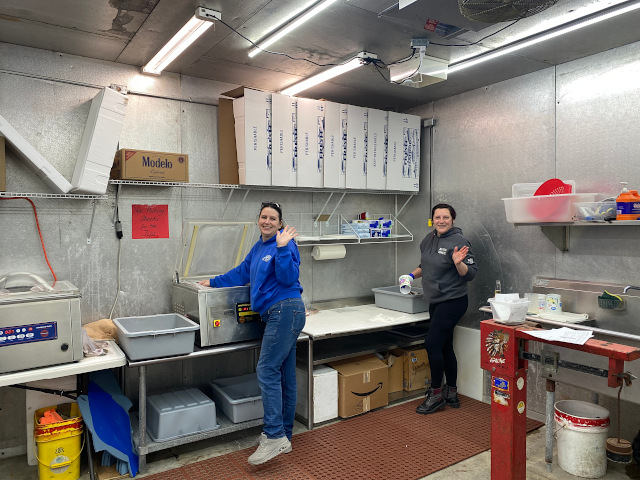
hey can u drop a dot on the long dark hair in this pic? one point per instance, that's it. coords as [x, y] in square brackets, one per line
[444, 205]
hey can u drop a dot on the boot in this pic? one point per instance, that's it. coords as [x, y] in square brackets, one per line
[432, 403]
[450, 395]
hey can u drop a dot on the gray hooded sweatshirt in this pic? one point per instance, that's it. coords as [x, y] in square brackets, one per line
[440, 279]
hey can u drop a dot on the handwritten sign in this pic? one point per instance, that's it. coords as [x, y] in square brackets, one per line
[149, 221]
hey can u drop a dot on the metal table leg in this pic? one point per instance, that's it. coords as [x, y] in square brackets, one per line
[142, 418]
[310, 418]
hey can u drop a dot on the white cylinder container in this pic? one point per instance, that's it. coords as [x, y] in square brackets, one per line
[582, 430]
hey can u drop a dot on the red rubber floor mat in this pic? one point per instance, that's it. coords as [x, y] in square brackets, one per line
[389, 444]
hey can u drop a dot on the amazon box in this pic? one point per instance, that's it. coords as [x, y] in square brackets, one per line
[362, 385]
[395, 368]
[416, 371]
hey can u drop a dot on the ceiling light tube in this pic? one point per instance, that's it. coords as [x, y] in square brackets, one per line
[312, 12]
[189, 33]
[585, 22]
[352, 64]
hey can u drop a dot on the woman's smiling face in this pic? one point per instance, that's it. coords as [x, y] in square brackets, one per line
[269, 222]
[442, 220]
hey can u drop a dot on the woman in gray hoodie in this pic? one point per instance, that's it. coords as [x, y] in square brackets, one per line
[446, 265]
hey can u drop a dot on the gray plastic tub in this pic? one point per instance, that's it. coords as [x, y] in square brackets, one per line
[391, 298]
[155, 336]
[239, 397]
[178, 413]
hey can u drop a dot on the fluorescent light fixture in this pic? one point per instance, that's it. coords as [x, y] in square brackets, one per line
[352, 64]
[192, 30]
[312, 12]
[591, 20]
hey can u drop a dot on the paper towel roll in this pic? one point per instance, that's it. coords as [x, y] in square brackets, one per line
[328, 252]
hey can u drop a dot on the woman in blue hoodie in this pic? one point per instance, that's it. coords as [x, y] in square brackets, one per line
[446, 265]
[272, 268]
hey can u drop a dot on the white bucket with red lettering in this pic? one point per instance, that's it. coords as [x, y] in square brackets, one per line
[582, 430]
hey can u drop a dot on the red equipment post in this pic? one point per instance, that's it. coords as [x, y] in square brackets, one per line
[500, 356]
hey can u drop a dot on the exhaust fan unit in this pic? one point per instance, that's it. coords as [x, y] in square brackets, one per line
[496, 11]
[420, 71]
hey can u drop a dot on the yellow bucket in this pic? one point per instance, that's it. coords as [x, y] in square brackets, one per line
[58, 444]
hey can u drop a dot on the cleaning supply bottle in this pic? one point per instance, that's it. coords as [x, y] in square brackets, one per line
[625, 203]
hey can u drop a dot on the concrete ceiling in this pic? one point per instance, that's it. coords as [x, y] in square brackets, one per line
[132, 31]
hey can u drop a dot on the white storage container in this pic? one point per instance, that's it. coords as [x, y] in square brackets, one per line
[155, 336]
[239, 397]
[511, 312]
[545, 208]
[183, 412]
[325, 393]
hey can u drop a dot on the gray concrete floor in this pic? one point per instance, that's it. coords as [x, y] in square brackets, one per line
[474, 468]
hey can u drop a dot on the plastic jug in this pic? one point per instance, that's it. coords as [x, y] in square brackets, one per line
[625, 204]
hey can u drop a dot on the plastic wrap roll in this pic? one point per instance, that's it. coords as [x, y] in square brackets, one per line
[328, 252]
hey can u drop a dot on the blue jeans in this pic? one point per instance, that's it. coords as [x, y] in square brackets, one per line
[277, 366]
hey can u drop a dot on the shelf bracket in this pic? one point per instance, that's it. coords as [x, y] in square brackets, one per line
[405, 204]
[241, 203]
[335, 208]
[321, 217]
[227, 203]
[93, 214]
[558, 235]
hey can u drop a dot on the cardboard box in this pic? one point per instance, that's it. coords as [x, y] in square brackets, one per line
[310, 143]
[356, 147]
[376, 149]
[3, 167]
[362, 385]
[284, 111]
[130, 164]
[415, 364]
[335, 148]
[325, 393]
[244, 137]
[395, 369]
[403, 156]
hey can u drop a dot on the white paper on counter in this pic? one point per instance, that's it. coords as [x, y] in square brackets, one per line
[564, 334]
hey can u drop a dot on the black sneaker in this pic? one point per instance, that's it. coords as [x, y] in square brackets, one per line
[432, 403]
[450, 397]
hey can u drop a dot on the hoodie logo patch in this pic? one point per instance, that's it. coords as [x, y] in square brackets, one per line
[266, 258]
[470, 261]
[442, 251]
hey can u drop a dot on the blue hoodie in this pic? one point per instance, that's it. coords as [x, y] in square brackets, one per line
[272, 272]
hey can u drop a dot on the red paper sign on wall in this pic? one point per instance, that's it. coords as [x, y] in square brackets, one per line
[149, 221]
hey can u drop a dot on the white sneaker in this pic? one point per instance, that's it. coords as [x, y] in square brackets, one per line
[269, 448]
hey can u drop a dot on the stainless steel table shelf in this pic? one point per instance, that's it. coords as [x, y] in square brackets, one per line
[144, 444]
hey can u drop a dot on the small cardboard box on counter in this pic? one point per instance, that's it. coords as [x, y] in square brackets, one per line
[325, 393]
[130, 164]
[362, 385]
[416, 371]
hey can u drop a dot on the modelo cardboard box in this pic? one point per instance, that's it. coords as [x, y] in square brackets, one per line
[130, 164]
[416, 371]
[362, 385]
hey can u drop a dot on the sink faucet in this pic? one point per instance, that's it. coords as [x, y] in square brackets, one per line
[630, 287]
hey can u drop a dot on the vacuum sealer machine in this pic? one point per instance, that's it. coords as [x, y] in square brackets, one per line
[211, 248]
[40, 324]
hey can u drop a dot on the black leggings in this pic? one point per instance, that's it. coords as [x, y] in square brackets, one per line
[444, 317]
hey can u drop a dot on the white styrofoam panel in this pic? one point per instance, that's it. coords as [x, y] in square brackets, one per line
[283, 112]
[466, 343]
[377, 124]
[356, 176]
[335, 148]
[403, 154]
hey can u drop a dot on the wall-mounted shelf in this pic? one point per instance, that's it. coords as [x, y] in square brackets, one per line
[70, 196]
[559, 233]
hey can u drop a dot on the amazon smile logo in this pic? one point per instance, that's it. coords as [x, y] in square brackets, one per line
[368, 393]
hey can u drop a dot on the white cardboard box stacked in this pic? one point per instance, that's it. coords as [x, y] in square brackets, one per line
[325, 393]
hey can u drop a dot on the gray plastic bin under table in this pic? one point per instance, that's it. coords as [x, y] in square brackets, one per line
[183, 412]
[155, 336]
[239, 397]
[391, 298]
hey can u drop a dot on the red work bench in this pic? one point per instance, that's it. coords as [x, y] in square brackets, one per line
[500, 354]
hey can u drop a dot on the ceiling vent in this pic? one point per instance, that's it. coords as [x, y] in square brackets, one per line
[496, 11]
[419, 71]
